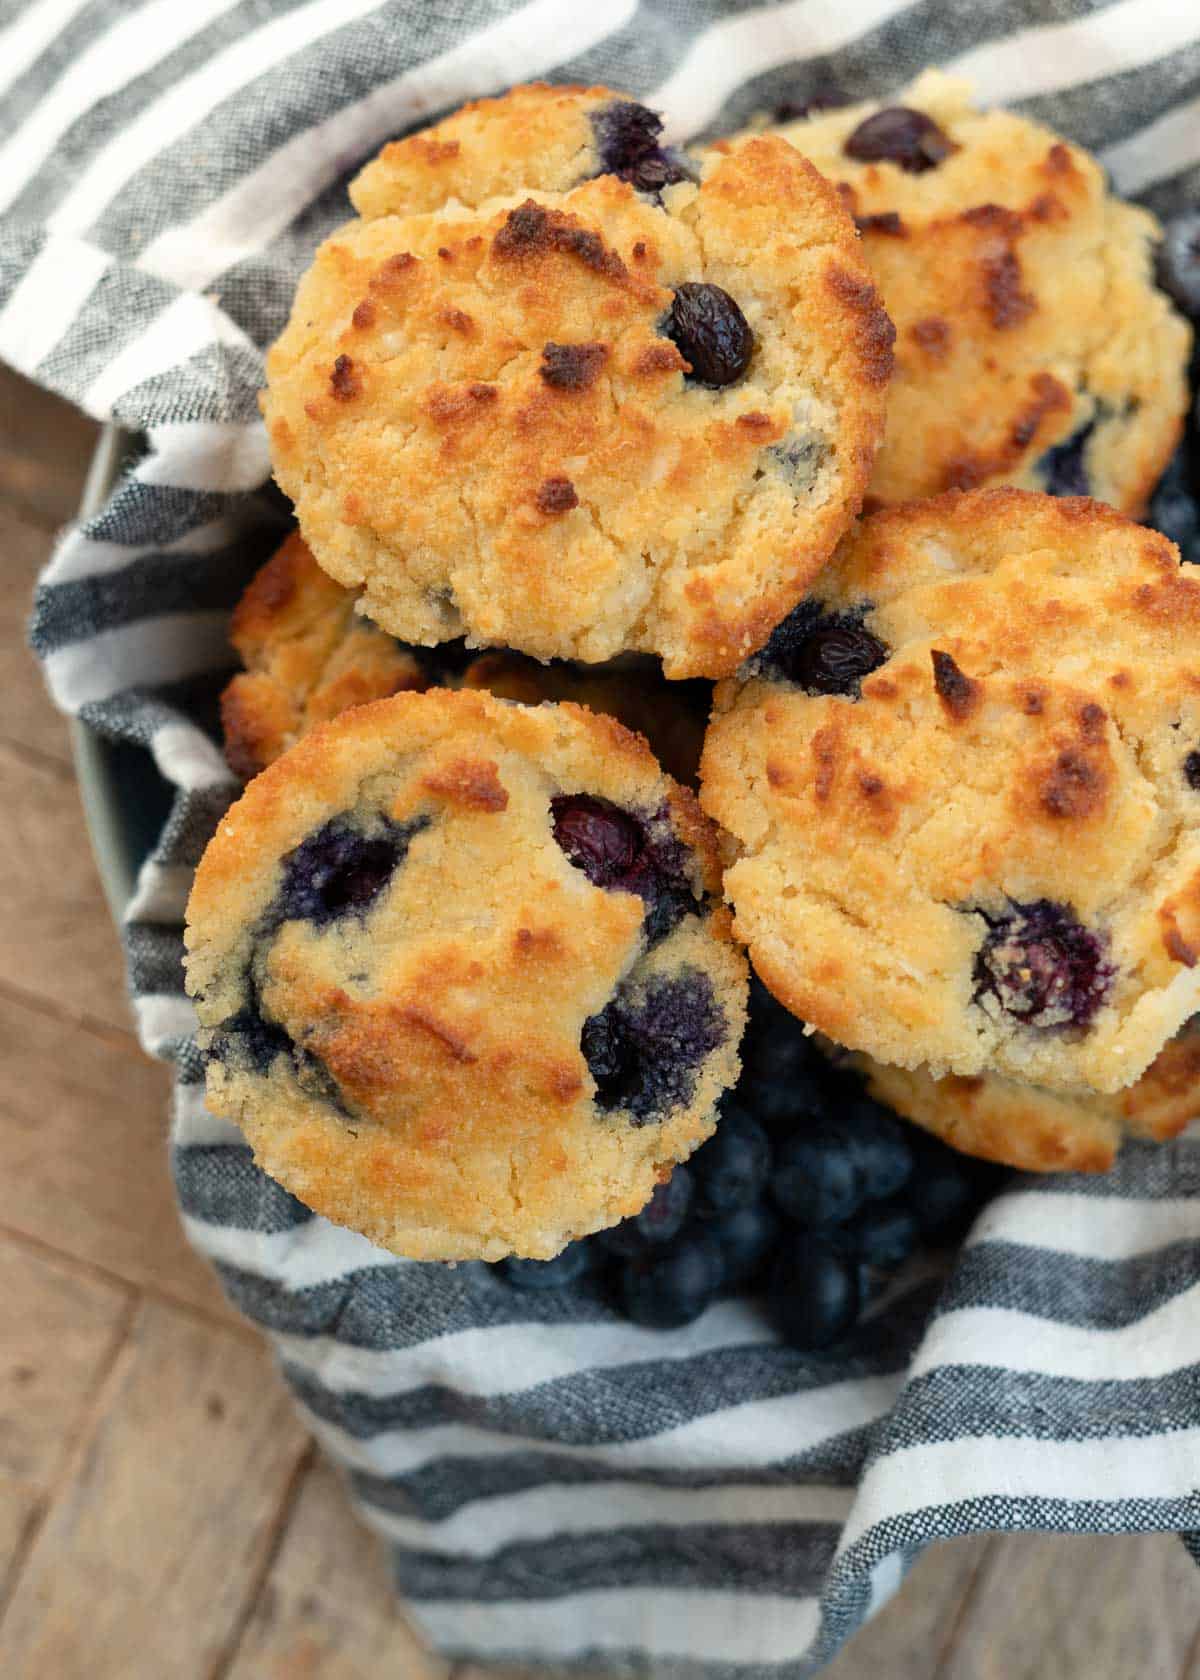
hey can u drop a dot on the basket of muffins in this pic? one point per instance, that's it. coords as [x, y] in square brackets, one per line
[722, 743]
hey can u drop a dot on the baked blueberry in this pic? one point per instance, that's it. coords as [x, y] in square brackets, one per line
[645, 1047]
[825, 652]
[899, 135]
[1191, 770]
[626, 853]
[1063, 469]
[1041, 965]
[397, 970]
[627, 138]
[667, 1288]
[813, 1294]
[710, 332]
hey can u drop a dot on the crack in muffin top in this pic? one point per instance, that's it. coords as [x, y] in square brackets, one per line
[408, 936]
[484, 409]
[984, 853]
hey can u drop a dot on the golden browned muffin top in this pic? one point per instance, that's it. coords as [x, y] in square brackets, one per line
[558, 395]
[963, 781]
[462, 972]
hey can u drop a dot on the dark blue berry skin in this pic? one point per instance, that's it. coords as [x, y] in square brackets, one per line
[567, 1267]
[823, 652]
[644, 1050]
[747, 1237]
[1175, 507]
[710, 332]
[1063, 468]
[1179, 261]
[784, 1076]
[667, 1288]
[731, 1169]
[943, 1195]
[659, 1222]
[1042, 966]
[816, 1180]
[340, 870]
[623, 852]
[884, 1234]
[627, 137]
[814, 1292]
[880, 1146]
[899, 135]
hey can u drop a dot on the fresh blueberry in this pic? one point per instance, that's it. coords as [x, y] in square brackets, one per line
[659, 1222]
[1063, 468]
[884, 1234]
[816, 1178]
[1042, 966]
[644, 1048]
[731, 1169]
[824, 652]
[667, 1288]
[710, 332]
[879, 1143]
[1175, 509]
[784, 1075]
[627, 139]
[796, 110]
[340, 870]
[813, 1294]
[1179, 261]
[942, 1196]
[747, 1237]
[565, 1268]
[623, 852]
[902, 136]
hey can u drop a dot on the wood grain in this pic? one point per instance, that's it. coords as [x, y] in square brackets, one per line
[47, 444]
[83, 1132]
[1124, 1607]
[32, 723]
[327, 1608]
[146, 1560]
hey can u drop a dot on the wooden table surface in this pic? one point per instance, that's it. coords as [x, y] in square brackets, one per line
[121, 1368]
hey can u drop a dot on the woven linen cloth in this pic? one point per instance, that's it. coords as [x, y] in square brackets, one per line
[557, 1485]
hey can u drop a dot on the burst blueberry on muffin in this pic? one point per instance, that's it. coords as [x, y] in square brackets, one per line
[962, 781]
[557, 390]
[463, 975]
[1032, 347]
[308, 656]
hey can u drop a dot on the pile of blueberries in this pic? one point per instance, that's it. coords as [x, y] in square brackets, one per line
[810, 1194]
[1175, 506]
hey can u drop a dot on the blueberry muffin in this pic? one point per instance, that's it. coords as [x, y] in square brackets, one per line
[1038, 1130]
[556, 390]
[672, 716]
[308, 656]
[1031, 345]
[463, 975]
[963, 785]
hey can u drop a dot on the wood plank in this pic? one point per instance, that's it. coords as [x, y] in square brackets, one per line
[83, 1126]
[33, 722]
[905, 1640]
[58, 1330]
[47, 444]
[1124, 1607]
[147, 1558]
[21, 1507]
[58, 941]
[328, 1609]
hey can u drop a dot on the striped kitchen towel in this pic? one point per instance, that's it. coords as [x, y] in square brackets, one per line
[557, 1485]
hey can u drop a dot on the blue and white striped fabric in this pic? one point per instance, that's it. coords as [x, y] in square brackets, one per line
[557, 1484]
